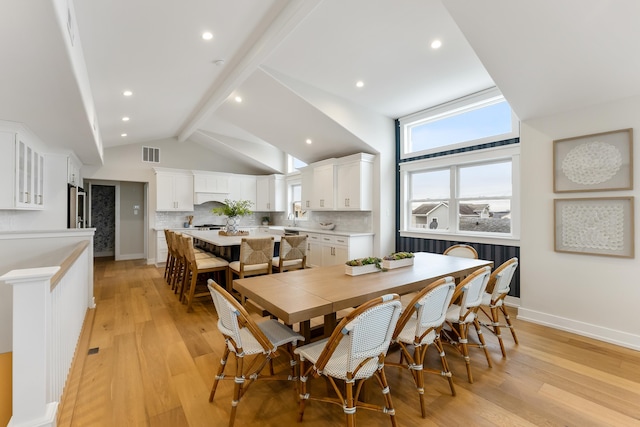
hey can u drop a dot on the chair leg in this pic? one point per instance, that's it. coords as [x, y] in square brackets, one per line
[462, 342]
[237, 389]
[418, 375]
[508, 321]
[219, 375]
[192, 289]
[496, 328]
[302, 398]
[445, 365]
[349, 404]
[386, 393]
[483, 344]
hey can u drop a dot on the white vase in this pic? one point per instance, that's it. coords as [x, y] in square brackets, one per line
[232, 224]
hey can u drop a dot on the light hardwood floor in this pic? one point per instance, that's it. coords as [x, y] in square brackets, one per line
[155, 364]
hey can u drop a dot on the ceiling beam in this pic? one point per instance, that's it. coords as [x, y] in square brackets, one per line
[256, 50]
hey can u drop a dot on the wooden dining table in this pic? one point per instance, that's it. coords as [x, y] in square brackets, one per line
[301, 295]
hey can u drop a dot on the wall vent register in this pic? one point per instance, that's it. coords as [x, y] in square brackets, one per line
[150, 155]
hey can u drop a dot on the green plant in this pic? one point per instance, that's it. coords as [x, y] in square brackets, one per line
[365, 261]
[233, 208]
[399, 255]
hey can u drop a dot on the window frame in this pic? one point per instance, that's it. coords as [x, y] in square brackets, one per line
[472, 102]
[510, 152]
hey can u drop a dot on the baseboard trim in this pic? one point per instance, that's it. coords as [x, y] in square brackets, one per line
[128, 257]
[623, 339]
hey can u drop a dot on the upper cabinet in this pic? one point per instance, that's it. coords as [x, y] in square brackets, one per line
[355, 175]
[339, 184]
[22, 169]
[243, 187]
[270, 193]
[204, 182]
[174, 190]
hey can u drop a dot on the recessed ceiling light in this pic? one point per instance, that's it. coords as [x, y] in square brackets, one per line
[125, 119]
[359, 83]
[308, 141]
[127, 93]
[436, 44]
[207, 35]
[123, 135]
[238, 99]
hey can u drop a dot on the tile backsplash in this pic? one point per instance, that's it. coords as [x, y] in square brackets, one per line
[344, 220]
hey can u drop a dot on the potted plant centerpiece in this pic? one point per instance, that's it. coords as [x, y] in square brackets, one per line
[398, 259]
[356, 267]
[233, 210]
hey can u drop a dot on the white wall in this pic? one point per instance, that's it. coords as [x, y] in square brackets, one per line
[594, 296]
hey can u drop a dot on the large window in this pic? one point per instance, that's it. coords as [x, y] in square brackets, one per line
[451, 183]
[482, 117]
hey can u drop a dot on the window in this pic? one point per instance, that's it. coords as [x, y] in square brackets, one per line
[468, 194]
[293, 164]
[294, 197]
[476, 119]
[451, 182]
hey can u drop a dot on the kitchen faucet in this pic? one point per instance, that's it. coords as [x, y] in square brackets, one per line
[292, 217]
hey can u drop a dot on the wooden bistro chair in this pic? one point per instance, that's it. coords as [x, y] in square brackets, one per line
[293, 254]
[461, 316]
[195, 265]
[244, 337]
[354, 352]
[461, 250]
[256, 257]
[493, 300]
[419, 326]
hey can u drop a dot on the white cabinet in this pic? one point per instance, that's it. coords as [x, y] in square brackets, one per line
[324, 178]
[339, 184]
[161, 247]
[243, 187]
[174, 190]
[210, 182]
[354, 183]
[306, 182]
[270, 193]
[22, 171]
[330, 249]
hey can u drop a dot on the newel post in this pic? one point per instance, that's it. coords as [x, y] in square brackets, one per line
[31, 340]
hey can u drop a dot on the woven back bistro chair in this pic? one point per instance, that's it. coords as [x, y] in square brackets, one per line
[354, 352]
[493, 300]
[293, 254]
[245, 338]
[461, 316]
[419, 326]
[195, 265]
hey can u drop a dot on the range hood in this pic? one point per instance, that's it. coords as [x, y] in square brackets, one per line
[201, 197]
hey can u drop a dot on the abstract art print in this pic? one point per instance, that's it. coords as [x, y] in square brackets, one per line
[595, 226]
[597, 162]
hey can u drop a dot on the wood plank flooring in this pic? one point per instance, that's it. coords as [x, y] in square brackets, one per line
[155, 364]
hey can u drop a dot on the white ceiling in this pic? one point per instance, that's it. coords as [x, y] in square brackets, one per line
[295, 64]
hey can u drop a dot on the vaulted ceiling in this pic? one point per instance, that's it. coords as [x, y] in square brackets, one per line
[295, 64]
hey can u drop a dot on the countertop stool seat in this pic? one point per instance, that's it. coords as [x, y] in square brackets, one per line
[293, 254]
[256, 257]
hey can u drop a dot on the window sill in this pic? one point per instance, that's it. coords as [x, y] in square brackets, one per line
[471, 238]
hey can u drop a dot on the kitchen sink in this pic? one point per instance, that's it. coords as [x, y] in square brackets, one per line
[289, 232]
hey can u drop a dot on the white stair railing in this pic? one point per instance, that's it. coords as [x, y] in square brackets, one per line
[49, 307]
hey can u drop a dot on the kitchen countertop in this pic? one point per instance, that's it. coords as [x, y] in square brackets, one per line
[321, 231]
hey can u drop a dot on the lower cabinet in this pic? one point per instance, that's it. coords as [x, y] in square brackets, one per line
[330, 249]
[161, 247]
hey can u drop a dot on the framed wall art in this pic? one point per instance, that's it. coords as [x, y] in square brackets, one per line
[597, 162]
[595, 226]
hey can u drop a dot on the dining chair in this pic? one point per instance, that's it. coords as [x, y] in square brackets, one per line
[293, 254]
[168, 266]
[461, 250]
[256, 257]
[195, 265]
[461, 315]
[493, 300]
[354, 352]
[244, 337]
[419, 326]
